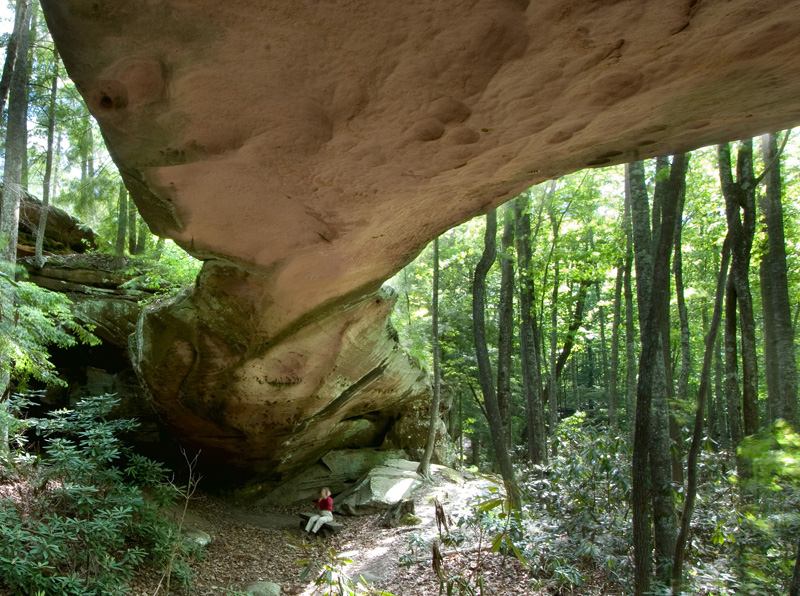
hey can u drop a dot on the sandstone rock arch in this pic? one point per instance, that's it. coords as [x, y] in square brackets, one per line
[307, 150]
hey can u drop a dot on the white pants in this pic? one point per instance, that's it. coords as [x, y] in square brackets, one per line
[317, 520]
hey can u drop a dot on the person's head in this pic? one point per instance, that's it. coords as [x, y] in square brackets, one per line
[325, 492]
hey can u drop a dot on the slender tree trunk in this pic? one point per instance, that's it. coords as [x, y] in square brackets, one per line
[771, 365]
[575, 395]
[711, 412]
[90, 171]
[740, 215]
[48, 166]
[601, 312]
[529, 357]
[651, 436]
[16, 151]
[425, 465]
[630, 327]
[683, 318]
[141, 241]
[732, 393]
[132, 228]
[664, 401]
[640, 495]
[482, 357]
[783, 336]
[551, 392]
[28, 68]
[21, 23]
[15, 155]
[160, 250]
[719, 399]
[569, 341]
[613, 377]
[697, 434]
[122, 227]
[505, 323]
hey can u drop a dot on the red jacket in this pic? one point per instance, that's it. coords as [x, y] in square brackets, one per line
[325, 504]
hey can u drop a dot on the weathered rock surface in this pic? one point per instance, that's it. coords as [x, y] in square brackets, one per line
[63, 233]
[261, 409]
[380, 489]
[98, 291]
[308, 150]
[338, 470]
[262, 589]
[101, 300]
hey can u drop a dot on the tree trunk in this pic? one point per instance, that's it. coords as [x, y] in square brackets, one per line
[783, 336]
[711, 412]
[122, 227]
[21, 23]
[630, 327]
[159, 248]
[551, 391]
[697, 434]
[48, 166]
[733, 396]
[719, 393]
[771, 365]
[683, 318]
[132, 227]
[89, 147]
[651, 438]
[141, 240]
[16, 151]
[613, 376]
[569, 342]
[482, 357]
[531, 379]
[425, 465]
[601, 313]
[34, 10]
[505, 324]
[740, 216]
[576, 398]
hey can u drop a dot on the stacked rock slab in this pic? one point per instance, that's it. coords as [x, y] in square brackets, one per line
[307, 150]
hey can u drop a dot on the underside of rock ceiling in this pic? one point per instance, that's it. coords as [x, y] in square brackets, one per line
[307, 150]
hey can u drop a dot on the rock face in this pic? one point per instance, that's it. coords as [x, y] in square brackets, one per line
[101, 299]
[380, 489]
[64, 233]
[338, 470]
[260, 409]
[308, 150]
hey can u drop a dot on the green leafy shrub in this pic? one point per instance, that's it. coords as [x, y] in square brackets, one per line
[84, 517]
[745, 533]
[576, 515]
[166, 273]
[31, 319]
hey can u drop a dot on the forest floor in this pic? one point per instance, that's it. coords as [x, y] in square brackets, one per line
[255, 544]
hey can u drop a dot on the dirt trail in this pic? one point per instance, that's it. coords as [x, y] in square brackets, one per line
[254, 544]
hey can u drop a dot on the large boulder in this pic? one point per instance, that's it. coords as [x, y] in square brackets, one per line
[380, 488]
[99, 291]
[64, 234]
[308, 150]
[338, 470]
[261, 408]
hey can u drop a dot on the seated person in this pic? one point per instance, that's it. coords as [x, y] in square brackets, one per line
[325, 506]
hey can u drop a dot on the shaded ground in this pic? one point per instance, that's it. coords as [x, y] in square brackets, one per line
[250, 545]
